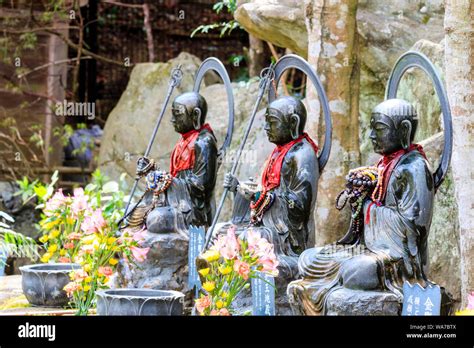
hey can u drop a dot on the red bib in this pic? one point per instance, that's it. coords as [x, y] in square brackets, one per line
[183, 155]
[272, 171]
[388, 162]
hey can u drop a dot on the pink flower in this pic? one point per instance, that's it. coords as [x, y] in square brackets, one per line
[68, 245]
[107, 271]
[64, 259]
[80, 275]
[139, 236]
[270, 264]
[139, 253]
[224, 312]
[94, 223]
[229, 246]
[87, 249]
[253, 239]
[242, 268]
[55, 202]
[74, 236]
[263, 248]
[71, 287]
[202, 303]
[79, 202]
[470, 301]
[214, 312]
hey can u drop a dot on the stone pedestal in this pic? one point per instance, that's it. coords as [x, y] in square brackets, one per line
[165, 268]
[357, 302]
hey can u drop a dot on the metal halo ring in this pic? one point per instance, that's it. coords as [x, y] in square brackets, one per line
[413, 59]
[293, 61]
[216, 65]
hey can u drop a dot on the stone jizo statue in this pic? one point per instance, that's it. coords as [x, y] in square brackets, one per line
[391, 245]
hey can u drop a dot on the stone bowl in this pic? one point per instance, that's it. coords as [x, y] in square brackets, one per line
[140, 302]
[43, 284]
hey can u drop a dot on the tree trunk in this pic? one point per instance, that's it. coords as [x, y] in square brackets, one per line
[459, 63]
[333, 51]
[257, 57]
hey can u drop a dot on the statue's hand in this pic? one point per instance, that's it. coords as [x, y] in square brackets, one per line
[247, 189]
[144, 166]
[231, 182]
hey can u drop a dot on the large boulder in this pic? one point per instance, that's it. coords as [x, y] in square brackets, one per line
[279, 22]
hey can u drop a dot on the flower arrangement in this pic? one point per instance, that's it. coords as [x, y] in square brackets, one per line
[470, 306]
[82, 229]
[229, 265]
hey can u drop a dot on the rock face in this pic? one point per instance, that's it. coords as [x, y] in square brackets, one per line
[131, 122]
[166, 265]
[278, 22]
[357, 302]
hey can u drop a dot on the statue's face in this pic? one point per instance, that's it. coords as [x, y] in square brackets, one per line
[385, 137]
[277, 127]
[181, 118]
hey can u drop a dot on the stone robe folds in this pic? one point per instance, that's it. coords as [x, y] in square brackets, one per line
[392, 248]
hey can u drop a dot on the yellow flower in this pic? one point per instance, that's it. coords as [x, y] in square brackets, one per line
[115, 248]
[87, 267]
[54, 233]
[88, 279]
[44, 238]
[211, 255]
[70, 220]
[224, 294]
[219, 304]
[87, 288]
[113, 262]
[62, 252]
[225, 269]
[96, 244]
[51, 224]
[204, 272]
[209, 286]
[111, 240]
[52, 248]
[89, 239]
[45, 258]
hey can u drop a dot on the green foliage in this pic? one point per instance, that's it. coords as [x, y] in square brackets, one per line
[225, 27]
[36, 189]
[13, 243]
[28, 40]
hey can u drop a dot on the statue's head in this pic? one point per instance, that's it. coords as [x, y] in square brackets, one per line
[393, 125]
[285, 119]
[188, 112]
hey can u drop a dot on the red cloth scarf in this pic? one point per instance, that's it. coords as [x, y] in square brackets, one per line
[386, 166]
[388, 162]
[272, 171]
[183, 155]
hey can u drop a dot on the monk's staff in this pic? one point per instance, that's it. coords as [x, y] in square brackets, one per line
[266, 77]
[175, 80]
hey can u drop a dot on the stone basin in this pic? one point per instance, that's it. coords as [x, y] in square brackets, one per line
[43, 284]
[140, 302]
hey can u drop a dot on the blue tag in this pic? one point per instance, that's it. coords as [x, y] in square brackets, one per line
[196, 243]
[263, 294]
[421, 301]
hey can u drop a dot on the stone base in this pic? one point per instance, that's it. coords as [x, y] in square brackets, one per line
[165, 268]
[357, 302]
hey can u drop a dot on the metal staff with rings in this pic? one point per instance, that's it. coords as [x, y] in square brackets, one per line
[175, 81]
